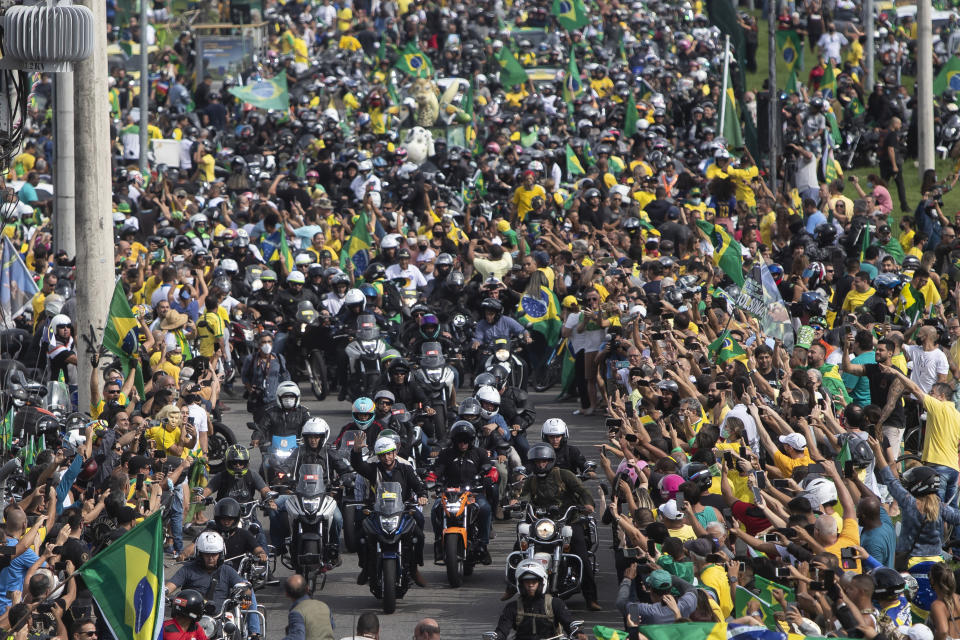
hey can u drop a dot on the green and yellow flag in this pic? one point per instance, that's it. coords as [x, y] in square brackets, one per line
[741, 604]
[571, 14]
[120, 336]
[765, 588]
[727, 252]
[572, 85]
[684, 631]
[833, 383]
[726, 348]
[6, 433]
[912, 304]
[948, 77]
[265, 94]
[574, 166]
[357, 248]
[541, 314]
[286, 255]
[414, 62]
[788, 47]
[126, 580]
[630, 116]
[511, 71]
[829, 81]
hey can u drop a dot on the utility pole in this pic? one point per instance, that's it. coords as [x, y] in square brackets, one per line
[144, 90]
[65, 201]
[868, 22]
[924, 113]
[773, 129]
[95, 271]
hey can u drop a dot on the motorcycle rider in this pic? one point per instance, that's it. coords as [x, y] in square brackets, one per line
[386, 469]
[346, 324]
[362, 414]
[334, 300]
[516, 407]
[404, 389]
[429, 330]
[239, 482]
[554, 432]
[187, 610]
[495, 325]
[459, 465]
[442, 267]
[285, 418]
[237, 541]
[264, 302]
[551, 486]
[534, 614]
[207, 574]
[503, 456]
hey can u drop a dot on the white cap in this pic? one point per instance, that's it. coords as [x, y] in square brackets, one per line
[919, 632]
[669, 510]
[794, 441]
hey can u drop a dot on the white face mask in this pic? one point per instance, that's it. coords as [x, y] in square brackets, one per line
[266, 348]
[288, 403]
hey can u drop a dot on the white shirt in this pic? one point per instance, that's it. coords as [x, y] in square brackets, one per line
[926, 366]
[199, 415]
[750, 426]
[160, 294]
[831, 43]
[414, 276]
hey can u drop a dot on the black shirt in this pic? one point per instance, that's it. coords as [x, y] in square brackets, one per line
[880, 384]
[240, 488]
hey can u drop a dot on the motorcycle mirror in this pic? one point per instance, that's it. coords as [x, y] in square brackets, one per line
[521, 471]
[229, 628]
[209, 609]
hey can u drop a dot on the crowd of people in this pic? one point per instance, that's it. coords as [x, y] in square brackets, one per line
[464, 203]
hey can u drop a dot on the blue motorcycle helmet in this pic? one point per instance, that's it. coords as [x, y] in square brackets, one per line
[363, 412]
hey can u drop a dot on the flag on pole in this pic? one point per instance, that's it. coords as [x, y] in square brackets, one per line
[791, 82]
[265, 94]
[285, 253]
[572, 86]
[413, 62]
[120, 335]
[727, 252]
[357, 248]
[571, 14]
[828, 85]
[126, 580]
[574, 166]
[912, 304]
[788, 47]
[541, 314]
[17, 287]
[630, 117]
[948, 77]
[732, 132]
[511, 71]
[726, 348]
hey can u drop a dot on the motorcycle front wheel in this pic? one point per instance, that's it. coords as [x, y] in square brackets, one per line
[318, 375]
[453, 558]
[350, 541]
[389, 579]
[547, 376]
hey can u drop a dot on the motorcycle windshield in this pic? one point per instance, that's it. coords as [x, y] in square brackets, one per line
[347, 441]
[306, 316]
[310, 483]
[389, 500]
[283, 444]
[367, 328]
[58, 397]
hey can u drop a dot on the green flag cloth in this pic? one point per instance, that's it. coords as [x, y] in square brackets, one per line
[788, 47]
[765, 588]
[833, 383]
[574, 166]
[912, 304]
[120, 336]
[571, 14]
[126, 580]
[6, 433]
[829, 80]
[286, 255]
[541, 314]
[727, 252]
[265, 94]
[895, 250]
[413, 62]
[630, 116]
[357, 247]
[732, 132]
[844, 454]
[511, 71]
[607, 633]
[723, 14]
[834, 127]
[569, 371]
[792, 82]
[948, 77]
[685, 631]
[741, 601]
[726, 348]
[572, 86]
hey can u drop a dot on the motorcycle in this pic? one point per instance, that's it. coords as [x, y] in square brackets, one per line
[391, 525]
[346, 489]
[544, 537]
[311, 552]
[252, 570]
[280, 462]
[505, 352]
[229, 623]
[304, 348]
[460, 532]
[242, 343]
[363, 355]
[461, 333]
[436, 379]
[949, 136]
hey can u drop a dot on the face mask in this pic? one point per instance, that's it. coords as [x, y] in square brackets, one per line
[288, 403]
[695, 201]
[175, 358]
[266, 348]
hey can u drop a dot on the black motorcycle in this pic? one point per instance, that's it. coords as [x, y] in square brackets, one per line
[304, 349]
[391, 525]
[311, 551]
[436, 378]
[347, 489]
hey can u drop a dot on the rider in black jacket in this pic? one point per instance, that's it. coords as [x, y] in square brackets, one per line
[534, 614]
[285, 418]
[554, 432]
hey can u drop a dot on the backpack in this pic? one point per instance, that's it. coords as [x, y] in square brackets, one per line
[547, 614]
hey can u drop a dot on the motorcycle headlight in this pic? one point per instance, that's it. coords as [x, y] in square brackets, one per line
[434, 374]
[248, 335]
[545, 529]
[311, 505]
[389, 523]
[368, 345]
[453, 507]
[283, 455]
[502, 355]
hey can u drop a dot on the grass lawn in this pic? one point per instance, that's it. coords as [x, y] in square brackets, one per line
[911, 174]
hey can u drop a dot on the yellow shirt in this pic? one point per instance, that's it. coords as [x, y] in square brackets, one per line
[906, 239]
[849, 537]
[741, 182]
[603, 86]
[23, 164]
[855, 300]
[166, 366]
[166, 439]
[516, 98]
[207, 163]
[715, 577]
[786, 464]
[37, 303]
[96, 411]
[684, 533]
[767, 224]
[209, 330]
[943, 433]
[344, 18]
[854, 57]
[523, 198]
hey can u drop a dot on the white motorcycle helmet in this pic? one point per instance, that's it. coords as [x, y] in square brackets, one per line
[316, 427]
[210, 542]
[384, 445]
[284, 392]
[554, 427]
[821, 491]
[354, 296]
[486, 396]
[528, 569]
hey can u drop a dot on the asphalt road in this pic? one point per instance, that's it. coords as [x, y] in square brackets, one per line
[465, 612]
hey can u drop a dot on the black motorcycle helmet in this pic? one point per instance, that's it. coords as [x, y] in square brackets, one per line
[469, 410]
[541, 452]
[501, 374]
[825, 233]
[189, 604]
[398, 366]
[226, 509]
[861, 454]
[889, 583]
[921, 481]
[492, 304]
[462, 431]
[485, 379]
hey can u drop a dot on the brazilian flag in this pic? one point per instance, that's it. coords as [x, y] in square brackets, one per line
[911, 305]
[413, 62]
[674, 631]
[358, 246]
[126, 580]
[541, 313]
[265, 94]
[511, 71]
[574, 166]
[630, 116]
[726, 251]
[949, 77]
[572, 85]
[829, 81]
[571, 14]
[120, 336]
[726, 348]
[788, 47]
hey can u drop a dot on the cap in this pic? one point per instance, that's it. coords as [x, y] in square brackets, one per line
[794, 441]
[295, 277]
[503, 226]
[659, 580]
[700, 546]
[138, 462]
[569, 301]
[919, 632]
[669, 510]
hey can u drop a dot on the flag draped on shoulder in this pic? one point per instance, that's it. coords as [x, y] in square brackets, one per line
[120, 335]
[727, 252]
[126, 580]
[574, 166]
[357, 248]
[541, 314]
[414, 62]
[265, 94]
[912, 304]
